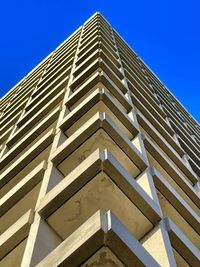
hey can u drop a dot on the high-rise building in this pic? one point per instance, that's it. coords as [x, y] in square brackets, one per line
[99, 162]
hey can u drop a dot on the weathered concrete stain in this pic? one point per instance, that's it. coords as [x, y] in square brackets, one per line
[102, 261]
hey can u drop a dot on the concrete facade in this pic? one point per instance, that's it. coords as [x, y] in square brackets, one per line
[99, 162]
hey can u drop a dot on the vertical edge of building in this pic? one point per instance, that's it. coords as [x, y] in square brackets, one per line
[99, 162]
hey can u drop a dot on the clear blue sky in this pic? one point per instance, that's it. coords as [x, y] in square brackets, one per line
[165, 34]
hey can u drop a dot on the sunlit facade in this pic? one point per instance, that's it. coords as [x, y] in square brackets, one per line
[99, 162]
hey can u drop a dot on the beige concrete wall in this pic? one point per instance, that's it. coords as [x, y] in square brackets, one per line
[99, 163]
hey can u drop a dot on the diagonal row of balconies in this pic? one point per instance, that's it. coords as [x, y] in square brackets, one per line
[115, 152]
